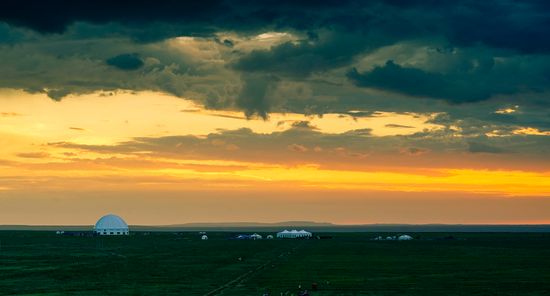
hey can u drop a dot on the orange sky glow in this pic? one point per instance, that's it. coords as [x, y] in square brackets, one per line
[64, 163]
[181, 121]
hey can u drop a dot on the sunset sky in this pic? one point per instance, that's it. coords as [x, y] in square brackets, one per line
[350, 112]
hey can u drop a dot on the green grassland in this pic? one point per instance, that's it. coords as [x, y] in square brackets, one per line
[42, 263]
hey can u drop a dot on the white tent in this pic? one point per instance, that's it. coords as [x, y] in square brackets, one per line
[256, 236]
[204, 237]
[284, 233]
[293, 234]
[304, 233]
[389, 238]
[269, 236]
[405, 237]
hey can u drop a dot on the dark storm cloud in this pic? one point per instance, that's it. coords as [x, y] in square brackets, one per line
[145, 22]
[59, 67]
[55, 17]
[520, 25]
[490, 52]
[302, 58]
[414, 82]
[126, 61]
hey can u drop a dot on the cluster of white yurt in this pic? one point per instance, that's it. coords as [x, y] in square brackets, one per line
[111, 225]
[400, 237]
[114, 225]
[293, 234]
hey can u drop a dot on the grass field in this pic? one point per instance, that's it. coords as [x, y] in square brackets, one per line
[42, 263]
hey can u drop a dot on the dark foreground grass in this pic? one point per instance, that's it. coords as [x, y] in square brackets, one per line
[42, 263]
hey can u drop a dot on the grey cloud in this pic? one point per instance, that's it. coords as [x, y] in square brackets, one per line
[464, 59]
[414, 150]
[33, 155]
[303, 125]
[49, 68]
[58, 94]
[297, 148]
[392, 125]
[126, 61]
[79, 129]
[360, 132]
[344, 151]
[418, 83]
[303, 58]
[10, 114]
[476, 147]
[519, 25]
[254, 95]
[225, 42]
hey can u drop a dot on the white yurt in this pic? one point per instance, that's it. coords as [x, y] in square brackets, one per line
[256, 236]
[405, 237]
[204, 237]
[111, 225]
[269, 236]
[389, 238]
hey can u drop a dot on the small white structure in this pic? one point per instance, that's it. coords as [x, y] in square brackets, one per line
[256, 236]
[269, 236]
[389, 238]
[111, 225]
[202, 232]
[204, 237]
[293, 234]
[405, 237]
[378, 238]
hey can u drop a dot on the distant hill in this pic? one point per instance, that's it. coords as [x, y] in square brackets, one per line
[307, 225]
[254, 224]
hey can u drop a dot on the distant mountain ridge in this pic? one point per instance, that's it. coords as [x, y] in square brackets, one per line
[307, 225]
[253, 224]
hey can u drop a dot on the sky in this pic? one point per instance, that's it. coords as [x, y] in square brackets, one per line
[349, 112]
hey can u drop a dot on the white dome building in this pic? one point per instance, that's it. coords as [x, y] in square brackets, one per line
[111, 225]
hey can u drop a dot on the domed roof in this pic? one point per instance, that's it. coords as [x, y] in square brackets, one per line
[111, 222]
